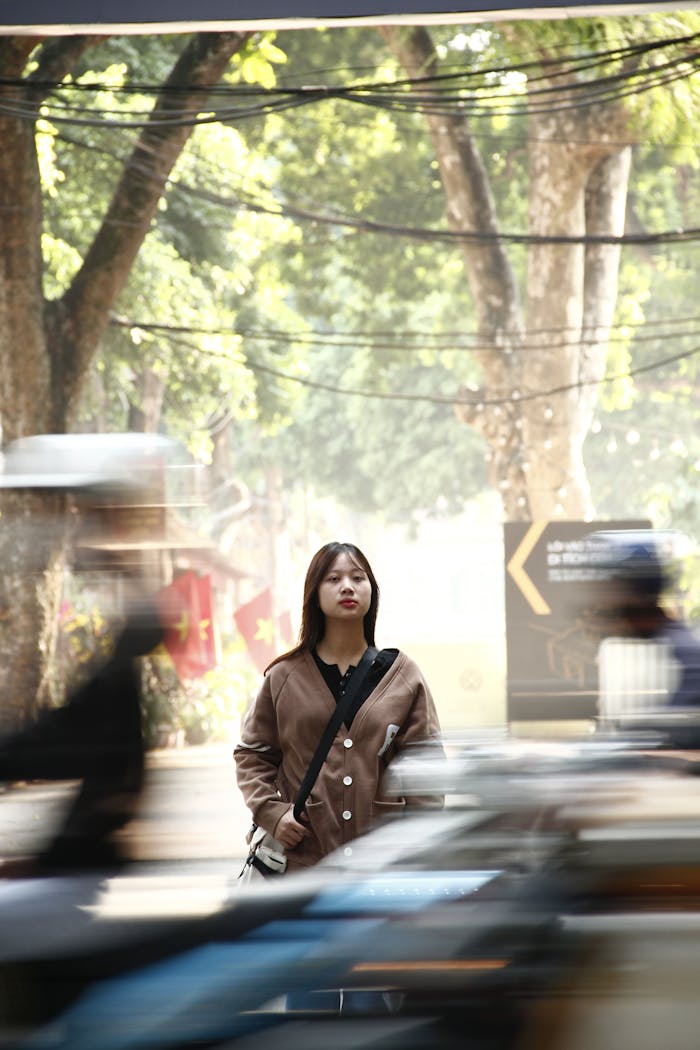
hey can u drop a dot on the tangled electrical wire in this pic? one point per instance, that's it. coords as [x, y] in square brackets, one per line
[178, 334]
[262, 200]
[553, 85]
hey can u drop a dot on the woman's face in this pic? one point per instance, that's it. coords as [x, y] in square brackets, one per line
[345, 592]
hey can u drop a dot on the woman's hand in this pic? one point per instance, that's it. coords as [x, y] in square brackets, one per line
[289, 831]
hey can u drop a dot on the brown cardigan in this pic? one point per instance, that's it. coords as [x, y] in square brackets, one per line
[281, 731]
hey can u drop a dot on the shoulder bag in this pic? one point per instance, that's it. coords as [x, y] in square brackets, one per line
[266, 856]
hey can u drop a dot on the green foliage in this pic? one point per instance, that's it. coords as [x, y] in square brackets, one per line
[199, 711]
[224, 258]
[255, 62]
[85, 636]
[395, 458]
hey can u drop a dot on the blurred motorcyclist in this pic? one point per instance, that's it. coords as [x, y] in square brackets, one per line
[634, 572]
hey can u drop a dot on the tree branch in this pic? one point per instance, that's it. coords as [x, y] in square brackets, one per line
[56, 58]
[78, 321]
[470, 203]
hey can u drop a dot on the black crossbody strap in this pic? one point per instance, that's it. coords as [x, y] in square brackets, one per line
[336, 719]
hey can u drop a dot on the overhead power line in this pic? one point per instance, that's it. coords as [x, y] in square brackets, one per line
[412, 341]
[468, 92]
[477, 400]
[410, 128]
[250, 201]
[422, 233]
[428, 234]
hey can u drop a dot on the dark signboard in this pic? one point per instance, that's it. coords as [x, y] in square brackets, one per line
[551, 651]
[150, 15]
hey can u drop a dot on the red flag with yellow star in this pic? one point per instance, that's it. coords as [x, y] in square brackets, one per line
[186, 612]
[256, 623]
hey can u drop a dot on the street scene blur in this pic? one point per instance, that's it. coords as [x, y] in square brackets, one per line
[350, 524]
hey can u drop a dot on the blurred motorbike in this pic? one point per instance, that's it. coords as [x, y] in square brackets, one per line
[553, 903]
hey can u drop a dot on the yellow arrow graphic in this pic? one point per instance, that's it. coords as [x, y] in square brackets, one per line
[515, 568]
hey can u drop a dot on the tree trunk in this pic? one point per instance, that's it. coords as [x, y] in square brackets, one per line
[470, 207]
[25, 373]
[146, 416]
[606, 201]
[578, 177]
[571, 292]
[31, 547]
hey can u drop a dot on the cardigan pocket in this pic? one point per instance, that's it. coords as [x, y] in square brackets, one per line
[320, 839]
[382, 811]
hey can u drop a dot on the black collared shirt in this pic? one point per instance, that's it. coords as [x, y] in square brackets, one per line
[337, 683]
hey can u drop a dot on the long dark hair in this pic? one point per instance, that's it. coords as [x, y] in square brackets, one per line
[313, 620]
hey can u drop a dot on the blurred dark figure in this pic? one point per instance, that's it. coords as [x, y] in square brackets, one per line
[634, 573]
[94, 737]
[114, 502]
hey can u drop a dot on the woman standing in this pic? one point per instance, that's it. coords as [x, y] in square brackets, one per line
[281, 730]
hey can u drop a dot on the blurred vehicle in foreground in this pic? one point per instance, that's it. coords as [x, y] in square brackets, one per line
[553, 903]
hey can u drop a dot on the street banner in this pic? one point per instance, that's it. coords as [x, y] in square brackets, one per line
[265, 636]
[255, 621]
[552, 652]
[186, 611]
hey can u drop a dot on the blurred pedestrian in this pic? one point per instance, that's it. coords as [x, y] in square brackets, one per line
[392, 711]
